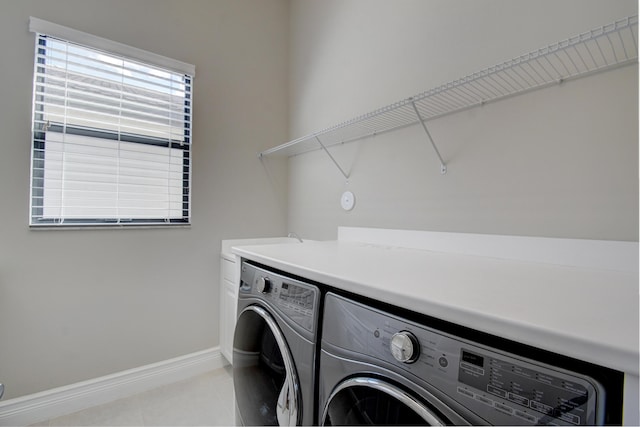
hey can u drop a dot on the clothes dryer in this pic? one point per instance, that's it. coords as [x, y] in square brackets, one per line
[380, 368]
[274, 348]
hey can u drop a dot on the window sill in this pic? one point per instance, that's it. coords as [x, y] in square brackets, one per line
[107, 227]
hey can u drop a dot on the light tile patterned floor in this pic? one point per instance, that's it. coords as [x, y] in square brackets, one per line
[205, 400]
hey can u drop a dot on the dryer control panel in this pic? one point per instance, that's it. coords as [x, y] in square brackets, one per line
[292, 298]
[499, 387]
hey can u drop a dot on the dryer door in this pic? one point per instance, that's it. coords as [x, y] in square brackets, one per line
[370, 401]
[264, 376]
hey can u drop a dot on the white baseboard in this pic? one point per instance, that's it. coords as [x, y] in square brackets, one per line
[56, 402]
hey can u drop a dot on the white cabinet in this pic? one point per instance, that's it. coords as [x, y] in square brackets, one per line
[229, 284]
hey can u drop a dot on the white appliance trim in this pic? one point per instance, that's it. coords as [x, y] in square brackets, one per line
[37, 407]
[631, 397]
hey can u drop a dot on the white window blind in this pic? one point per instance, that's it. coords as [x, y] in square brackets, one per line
[111, 138]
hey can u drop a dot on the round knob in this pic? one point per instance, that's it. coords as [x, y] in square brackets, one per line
[264, 285]
[405, 347]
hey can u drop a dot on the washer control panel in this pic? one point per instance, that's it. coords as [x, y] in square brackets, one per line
[534, 393]
[293, 298]
[499, 387]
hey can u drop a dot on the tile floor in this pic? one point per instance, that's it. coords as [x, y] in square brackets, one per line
[205, 400]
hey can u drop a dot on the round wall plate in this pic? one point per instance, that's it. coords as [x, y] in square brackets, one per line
[348, 200]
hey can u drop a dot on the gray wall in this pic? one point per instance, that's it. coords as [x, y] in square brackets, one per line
[80, 304]
[559, 162]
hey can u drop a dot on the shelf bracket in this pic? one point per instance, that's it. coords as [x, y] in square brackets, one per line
[346, 176]
[443, 166]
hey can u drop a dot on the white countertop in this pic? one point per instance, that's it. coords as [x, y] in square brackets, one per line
[587, 313]
[226, 245]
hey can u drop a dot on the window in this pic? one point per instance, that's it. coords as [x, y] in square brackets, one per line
[111, 133]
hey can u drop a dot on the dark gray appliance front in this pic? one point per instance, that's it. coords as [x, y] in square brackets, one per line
[430, 377]
[274, 348]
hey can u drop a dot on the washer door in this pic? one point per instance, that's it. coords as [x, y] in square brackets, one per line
[370, 401]
[266, 384]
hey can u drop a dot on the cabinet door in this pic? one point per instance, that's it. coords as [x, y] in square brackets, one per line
[228, 311]
[228, 303]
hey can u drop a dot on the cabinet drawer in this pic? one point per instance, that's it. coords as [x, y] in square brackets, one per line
[229, 270]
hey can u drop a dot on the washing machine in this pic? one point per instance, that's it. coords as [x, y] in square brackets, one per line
[274, 348]
[380, 365]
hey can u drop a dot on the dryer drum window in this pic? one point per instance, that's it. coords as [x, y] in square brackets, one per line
[369, 401]
[263, 373]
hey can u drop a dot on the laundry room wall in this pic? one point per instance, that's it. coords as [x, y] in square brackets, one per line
[561, 162]
[79, 304]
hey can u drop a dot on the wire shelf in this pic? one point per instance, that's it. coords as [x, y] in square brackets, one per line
[604, 48]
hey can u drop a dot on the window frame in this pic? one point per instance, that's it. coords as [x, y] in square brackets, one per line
[45, 30]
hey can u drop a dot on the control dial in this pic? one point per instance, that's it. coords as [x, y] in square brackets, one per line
[405, 347]
[264, 285]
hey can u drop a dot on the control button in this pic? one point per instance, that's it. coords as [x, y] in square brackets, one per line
[503, 408]
[540, 407]
[469, 367]
[518, 399]
[573, 419]
[466, 392]
[525, 416]
[443, 362]
[497, 391]
[545, 379]
[264, 285]
[405, 347]
[484, 400]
